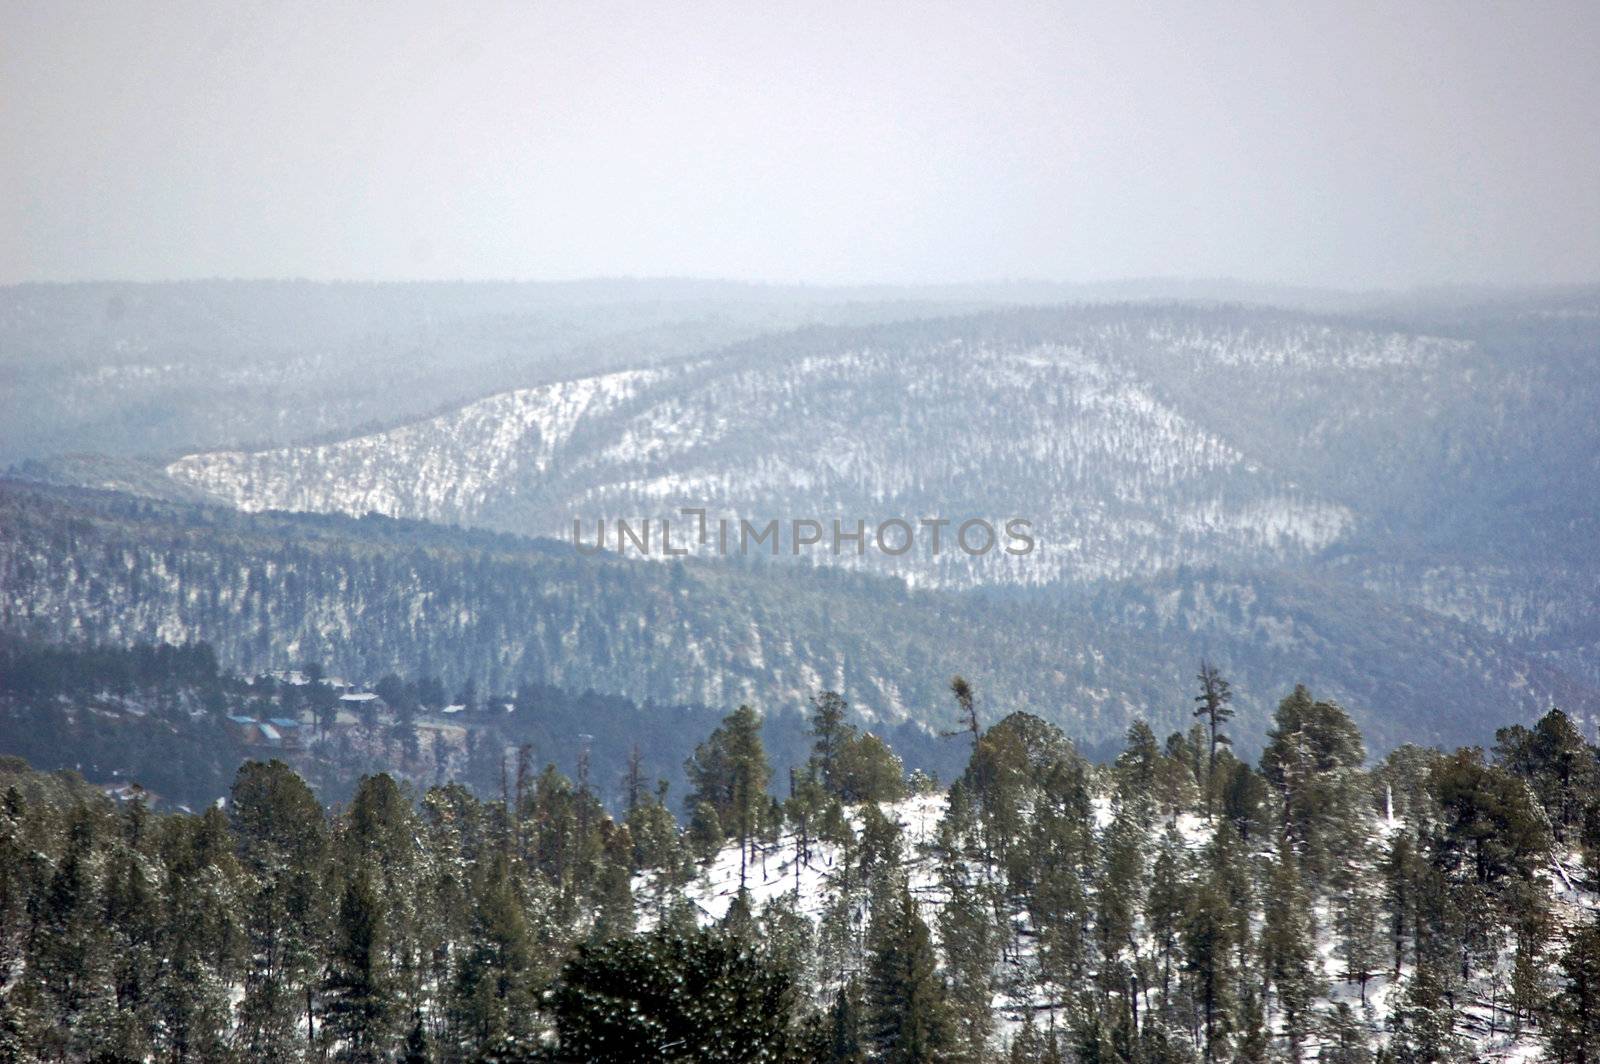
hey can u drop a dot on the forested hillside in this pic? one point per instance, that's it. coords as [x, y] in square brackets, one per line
[1269, 487]
[374, 596]
[1135, 438]
[1179, 904]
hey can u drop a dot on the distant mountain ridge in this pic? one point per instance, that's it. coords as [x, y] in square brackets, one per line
[1135, 438]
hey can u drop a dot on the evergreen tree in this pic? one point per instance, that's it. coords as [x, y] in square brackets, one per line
[1214, 708]
[662, 997]
[1425, 1023]
[967, 708]
[1288, 947]
[358, 1005]
[843, 1028]
[282, 844]
[729, 772]
[831, 729]
[1117, 902]
[1210, 930]
[966, 924]
[1574, 1030]
[1254, 1043]
[1357, 916]
[1559, 763]
[496, 979]
[1139, 765]
[1344, 1040]
[1489, 829]
[1164, 913]
[1313, 759]
[1530, 927]
[907, 1015]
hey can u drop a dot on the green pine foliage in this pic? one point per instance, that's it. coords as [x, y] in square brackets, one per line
[1166, 906]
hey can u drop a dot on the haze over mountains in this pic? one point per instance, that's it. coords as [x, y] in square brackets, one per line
[1273, 487]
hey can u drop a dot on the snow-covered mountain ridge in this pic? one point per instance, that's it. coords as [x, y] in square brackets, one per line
[1075, 434]
[445, 469]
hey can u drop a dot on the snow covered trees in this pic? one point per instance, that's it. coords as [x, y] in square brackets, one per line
[908, 1018]
[664, 997]
[1044, 908]
[729, 774]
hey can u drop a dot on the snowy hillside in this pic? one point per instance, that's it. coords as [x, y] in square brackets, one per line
[443, 470]
[372, 596]
[778, 878]
[1083, 435]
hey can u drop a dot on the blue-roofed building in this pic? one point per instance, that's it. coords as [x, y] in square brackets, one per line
[290, 729]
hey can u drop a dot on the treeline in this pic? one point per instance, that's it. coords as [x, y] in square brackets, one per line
[155, 715]
[148, 714]
[1178, 904]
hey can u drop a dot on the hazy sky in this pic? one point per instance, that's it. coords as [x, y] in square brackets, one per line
[1351, 144]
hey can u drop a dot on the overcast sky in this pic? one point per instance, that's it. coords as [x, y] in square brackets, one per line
[1351, 145]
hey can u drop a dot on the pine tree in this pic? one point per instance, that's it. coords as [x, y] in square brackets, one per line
[1210, 929]
[1255, 1043]
[729, 772]
[1164, 910]
[1058, 905]
[200, 940]
[843, 1029]
[1425, 1023]
[830, 729]
[633, 782]
[1139, 766]
[358, 1006]
[704, 997]
[495, 981]
[1530, 925]
[1488, 828]
[1243, 795]
[1357, 914]
[1555, 758]
[1117, 902]
[1313, 759]
[908, 1019]
[282, 844]
[1400, 871]
[1288, 947]
[416, 1048]
[705, 830]
[967, 707]
[971, 949]
[1214, 709]
[1574, 1029]
[1344, 1040]
[68, 954]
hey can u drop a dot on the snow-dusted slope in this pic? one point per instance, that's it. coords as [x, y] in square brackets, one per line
[444, 469]
[1091, 435]
[777, 876]
[1113, 480]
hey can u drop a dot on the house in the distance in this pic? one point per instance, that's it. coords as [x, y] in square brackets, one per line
[291, 731]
